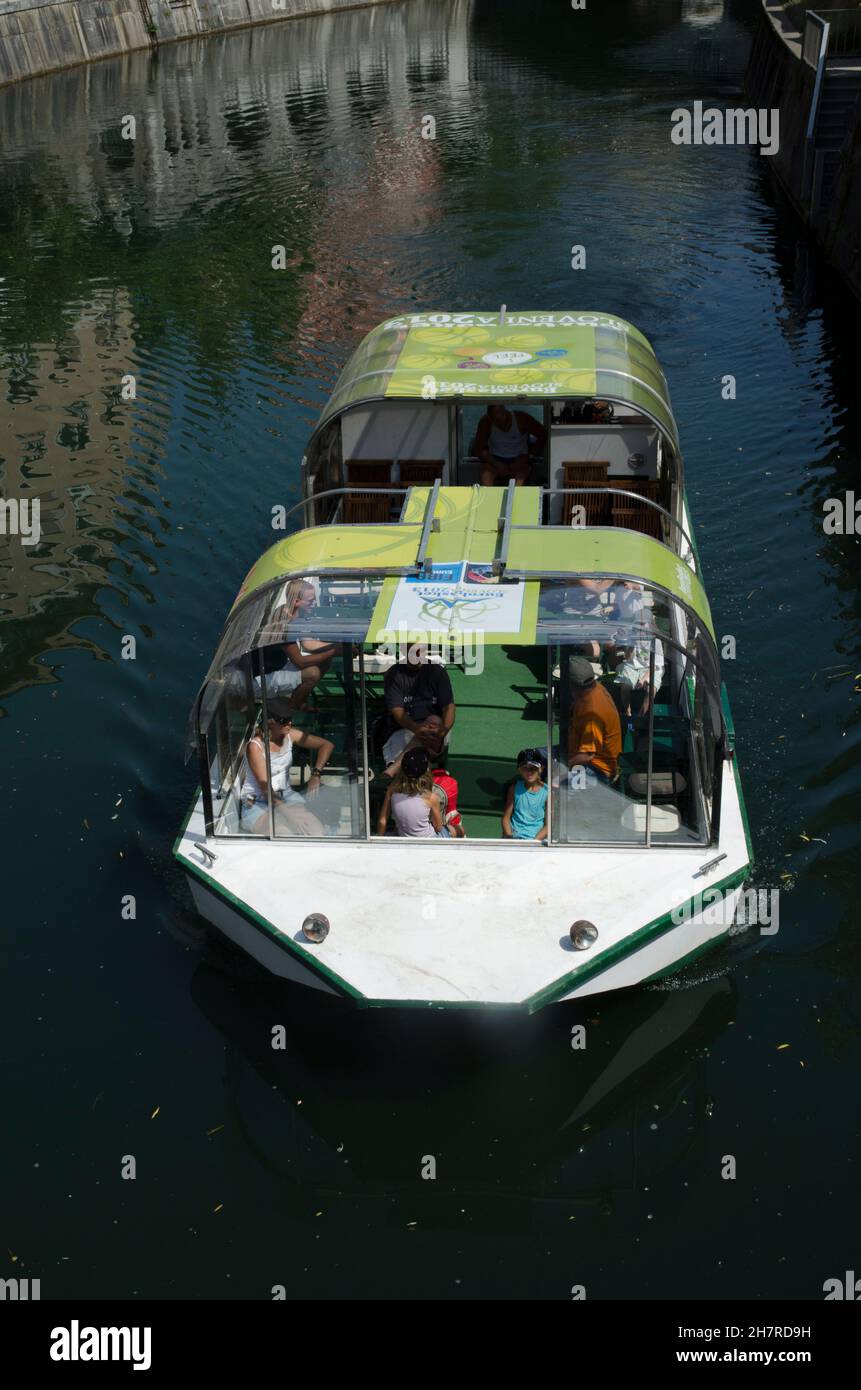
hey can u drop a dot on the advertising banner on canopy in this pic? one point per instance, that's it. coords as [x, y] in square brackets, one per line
[452, 601]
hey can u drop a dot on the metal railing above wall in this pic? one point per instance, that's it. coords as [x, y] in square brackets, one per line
[845, 31]
[845, 27]
[814, 41]
[816, 31]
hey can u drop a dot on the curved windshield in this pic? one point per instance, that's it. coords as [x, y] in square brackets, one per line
[611, 683]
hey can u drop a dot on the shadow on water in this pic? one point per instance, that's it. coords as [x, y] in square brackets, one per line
[515, 1117]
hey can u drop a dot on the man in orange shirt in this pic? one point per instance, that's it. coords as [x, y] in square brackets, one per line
[594, 731]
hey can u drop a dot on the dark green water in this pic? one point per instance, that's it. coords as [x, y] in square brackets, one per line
[303, 1168]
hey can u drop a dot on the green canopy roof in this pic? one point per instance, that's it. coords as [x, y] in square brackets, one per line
[522, 354]
[469, 531]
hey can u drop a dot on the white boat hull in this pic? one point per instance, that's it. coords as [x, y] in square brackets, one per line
[454, 924]
[662, 958]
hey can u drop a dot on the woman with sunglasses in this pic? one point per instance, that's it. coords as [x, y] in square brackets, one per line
[292, 816]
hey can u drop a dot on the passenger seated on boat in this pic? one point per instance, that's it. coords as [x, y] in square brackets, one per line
[430, 735]
[525, 814]
[586, 598]
[594, 729]
[635, 692]
[447, 790]
[629, 601]
[292, 816]
[413, 689]
[502, 444]
[596, 412]
[295, 667]
[413, 802]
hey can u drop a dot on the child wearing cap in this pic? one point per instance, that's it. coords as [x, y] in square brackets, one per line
[525, 814]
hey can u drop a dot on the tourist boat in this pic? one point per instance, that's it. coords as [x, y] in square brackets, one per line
[397, 546]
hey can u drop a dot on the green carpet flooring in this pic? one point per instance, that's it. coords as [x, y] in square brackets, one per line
[499, 712]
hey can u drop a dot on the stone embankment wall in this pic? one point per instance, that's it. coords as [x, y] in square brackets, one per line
[777, 78]
[38, 36]
[841, 231]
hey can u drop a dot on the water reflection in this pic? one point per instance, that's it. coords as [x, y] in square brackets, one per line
[149, 260]
[521, 1123]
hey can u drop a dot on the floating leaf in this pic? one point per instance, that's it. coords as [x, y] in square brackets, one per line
[214, 1131]
[155, 1112]
[781, 1046]
[220, 1207]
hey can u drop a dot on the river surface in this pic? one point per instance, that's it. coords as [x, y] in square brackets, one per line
[132, 1039]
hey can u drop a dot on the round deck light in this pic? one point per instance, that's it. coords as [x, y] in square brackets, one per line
[315, 927]
[583, 935]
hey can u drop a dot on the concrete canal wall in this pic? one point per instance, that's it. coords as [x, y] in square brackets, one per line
[38, 36]
[777, 79]
[822, 174]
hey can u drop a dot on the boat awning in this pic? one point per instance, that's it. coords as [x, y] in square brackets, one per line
[464, 564]
[522, 354]
[599, 552]
[461, 563]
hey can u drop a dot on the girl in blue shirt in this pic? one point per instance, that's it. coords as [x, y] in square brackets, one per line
[525, 815]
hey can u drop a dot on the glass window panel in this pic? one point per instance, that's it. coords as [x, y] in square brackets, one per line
[592, 804]
[332, 805]
[230, 720]
[300, 640]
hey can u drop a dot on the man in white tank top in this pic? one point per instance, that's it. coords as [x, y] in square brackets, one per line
[503, 444]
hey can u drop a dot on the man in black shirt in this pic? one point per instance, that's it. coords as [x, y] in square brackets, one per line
[412, 690]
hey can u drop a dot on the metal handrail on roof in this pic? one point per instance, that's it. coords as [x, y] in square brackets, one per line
[422, 561]
[622, 492]
[506, 525]
[356, 489]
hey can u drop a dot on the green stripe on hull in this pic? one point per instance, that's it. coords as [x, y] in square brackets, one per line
[552, 993]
